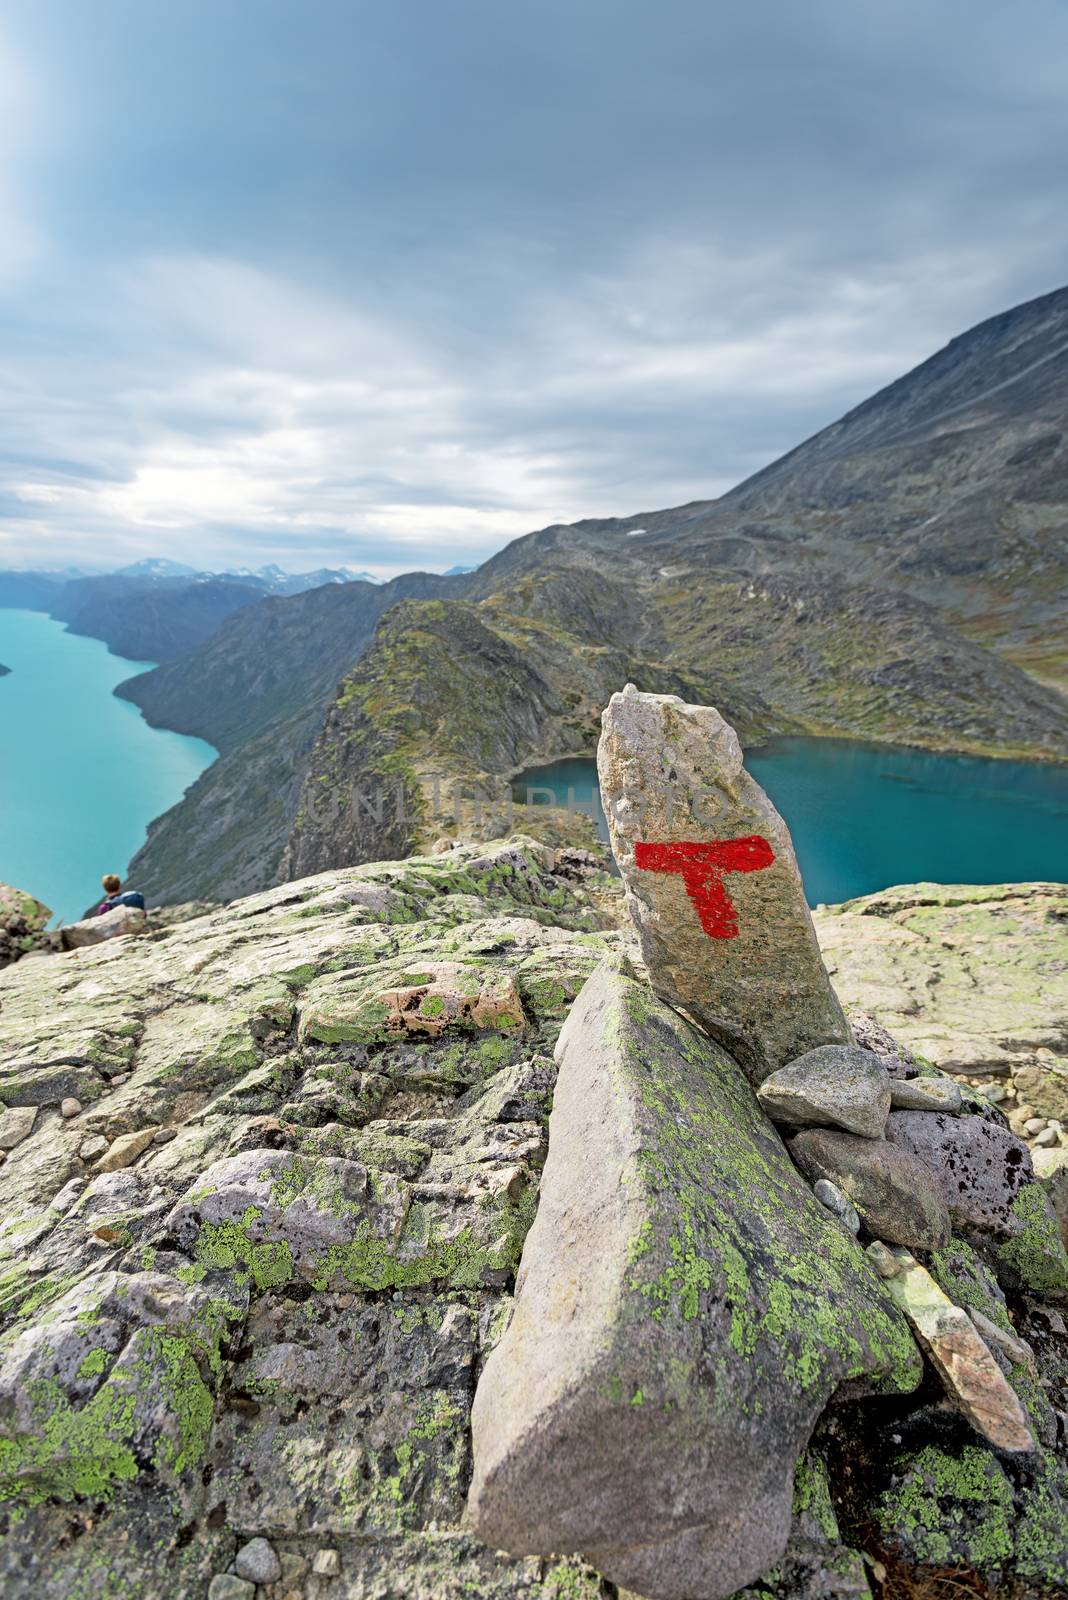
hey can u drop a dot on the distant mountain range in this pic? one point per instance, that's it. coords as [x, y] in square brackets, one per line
[157, 609]
[899, 577]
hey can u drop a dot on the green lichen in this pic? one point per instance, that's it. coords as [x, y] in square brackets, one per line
[227, 1245]
[950, 1509]
[1036, 1253]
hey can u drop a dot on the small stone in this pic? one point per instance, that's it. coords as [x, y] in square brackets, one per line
[992, 1334]
[1047, 1139]
[994, 1093]
[1035, 1125]
[1023, 1112]
[165, 1135]
[835, 1086]
[326, 1563]
[828, 1194]
[92, 1147]
[883, 1259]
[971, 1377]
[124, 1150]
[224, 1586]
[120, 1077]
[16, 1124]
[925, 1094]
[258, 1562]
[70, 1107]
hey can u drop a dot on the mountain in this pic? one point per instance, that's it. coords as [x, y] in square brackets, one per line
[899, 577]
[150, 618]
[261, 685]
[156, 567]
[456, 572]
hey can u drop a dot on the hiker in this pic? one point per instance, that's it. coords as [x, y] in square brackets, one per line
[112, 885]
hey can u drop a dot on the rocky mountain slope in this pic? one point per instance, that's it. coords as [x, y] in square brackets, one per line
[898, 577]
[268, 1176]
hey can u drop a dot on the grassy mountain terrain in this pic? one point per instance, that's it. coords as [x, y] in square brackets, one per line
[899, 577]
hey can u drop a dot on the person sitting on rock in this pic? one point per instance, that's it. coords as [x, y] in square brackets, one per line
[114, 896]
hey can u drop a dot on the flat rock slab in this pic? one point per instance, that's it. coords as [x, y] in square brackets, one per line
[835, 1086]
[897, 1196]
[712, 882]
[685, 1307]
[972, 1378]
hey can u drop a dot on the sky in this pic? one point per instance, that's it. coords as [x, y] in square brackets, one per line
[388, 284]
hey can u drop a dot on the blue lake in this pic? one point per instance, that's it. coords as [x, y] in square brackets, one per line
[81, 773]
[865, 816]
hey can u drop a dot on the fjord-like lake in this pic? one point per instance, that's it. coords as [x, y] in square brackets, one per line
[866, 816]
[81, 773]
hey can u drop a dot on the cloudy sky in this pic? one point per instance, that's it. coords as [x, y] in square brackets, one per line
[387, 284]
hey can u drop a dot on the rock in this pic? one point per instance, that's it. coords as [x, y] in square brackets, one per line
[835, 1086]
[883, 1259]
[986, 1178]
[258, 1562]
[925, 1094]
[1034, 1125]
[1051, 1168]
[971, 978]
[972, 1378]
[224, 1586]
[70, 1107]
[95, 930]
[992, 1335]
[1048, 1162]
[278, 1214]
[1045, 1139]
[681, 1285]
[22, 923]
[897, 1197]
[16, 1124]
[326, 1563]
[124, 1151]
[92, 1147]
[829, 1195]
[712, 882]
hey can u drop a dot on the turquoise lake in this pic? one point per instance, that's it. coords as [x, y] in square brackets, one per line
[81, 773]
[865, 816]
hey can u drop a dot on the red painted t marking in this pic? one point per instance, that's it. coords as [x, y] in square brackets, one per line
[702, 868]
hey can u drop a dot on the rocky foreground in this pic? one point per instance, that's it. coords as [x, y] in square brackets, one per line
[269, 1176]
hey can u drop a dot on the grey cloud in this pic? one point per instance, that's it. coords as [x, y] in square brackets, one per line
[391, 284]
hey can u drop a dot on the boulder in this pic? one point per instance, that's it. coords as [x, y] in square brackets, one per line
[897, 1197]
[95, 930]
[712, 882]
[835, 1086]
[22, 923]
[979, 1164]
[685, 1307]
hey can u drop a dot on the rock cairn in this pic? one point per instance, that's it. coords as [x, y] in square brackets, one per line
[687, 1303]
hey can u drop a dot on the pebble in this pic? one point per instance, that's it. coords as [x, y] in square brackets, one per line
[90, 1148]
[828, 1194]
[124, 1150]
[326, 1564]
[258, 1562]
[1022, 1112]
[16, 1124]
[883, 1259]
[122, 1077]
[165, 1135]
[1046, 1138]
[1035, 1125]
[994, 1093]
[70, 1107]
[224, 1586]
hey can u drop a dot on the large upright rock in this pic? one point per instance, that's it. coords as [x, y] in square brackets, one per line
[685, 1307]
[712, 882]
